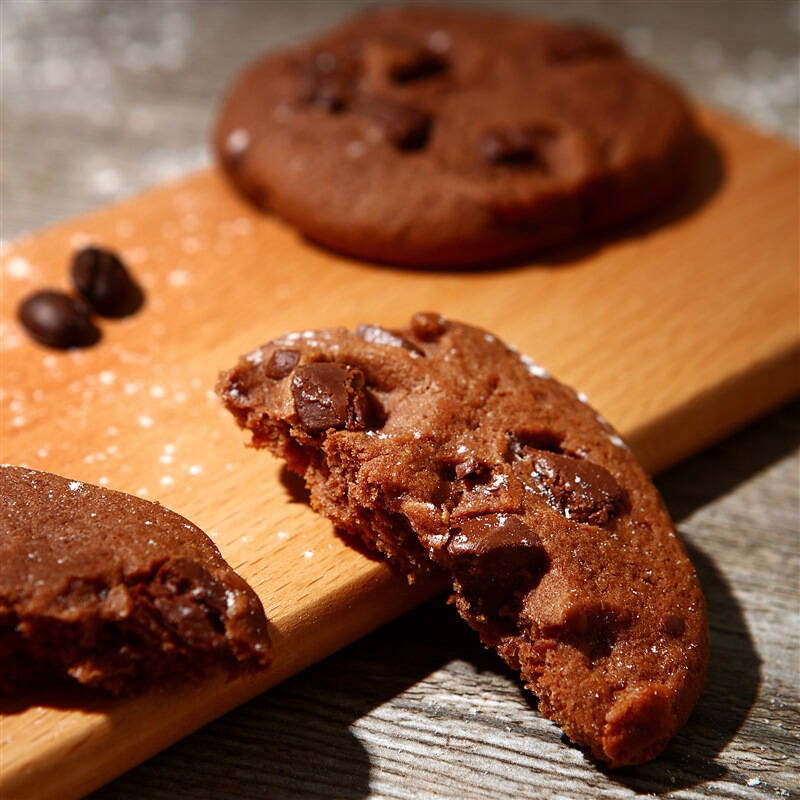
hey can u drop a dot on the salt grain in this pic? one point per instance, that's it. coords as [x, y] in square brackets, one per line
[18, 268]
[178, 277]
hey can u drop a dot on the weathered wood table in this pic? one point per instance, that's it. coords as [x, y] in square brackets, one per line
[101, 98]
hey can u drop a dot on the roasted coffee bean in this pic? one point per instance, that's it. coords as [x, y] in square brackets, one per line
[428, 326]
[281, 363]
[328, 395]
[579, 489]
[54, 318]
[101, 277]
[405, 126]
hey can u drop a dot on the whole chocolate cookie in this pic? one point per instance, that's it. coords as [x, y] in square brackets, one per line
[113, 591]
[444, 449]
[450, 137]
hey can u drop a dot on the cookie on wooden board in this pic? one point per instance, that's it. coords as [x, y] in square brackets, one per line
[444, 449]
[444, 137]
[113, 591]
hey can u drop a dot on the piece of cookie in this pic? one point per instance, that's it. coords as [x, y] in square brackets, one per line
[113, 591]
[443, 448]
[450, 137]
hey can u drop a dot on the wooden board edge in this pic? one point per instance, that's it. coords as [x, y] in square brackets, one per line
[719, 411]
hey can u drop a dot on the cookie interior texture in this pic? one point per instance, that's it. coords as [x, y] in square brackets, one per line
[444, 449]
[113, 591]
[444, 137]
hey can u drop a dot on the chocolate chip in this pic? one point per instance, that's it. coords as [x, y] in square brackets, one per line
[328, 395]
[509, 145]
[328, 82]
[55, 319]
[518, 145]
[493, 557]
[579, 489]
[281, 363]
[405, 126]
[185, 576]
[101, 277]
[375, 334]
[576, 42]
[417, 65]
[673, 625]
[191, 601]
[520, 444]
[428, 326]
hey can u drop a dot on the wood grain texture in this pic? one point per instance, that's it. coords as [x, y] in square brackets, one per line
[678, 333]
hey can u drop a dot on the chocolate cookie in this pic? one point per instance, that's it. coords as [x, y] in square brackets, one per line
[450, 137]
[113, 591]
[444, 449]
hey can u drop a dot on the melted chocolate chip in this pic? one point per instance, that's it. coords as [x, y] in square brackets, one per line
[184, 576]
[328, 82]
[509, 145]
[579, 489]
[673, 625]
[402, 60]
[375, 334]
[281, 363]
[55, 319]
[519, 145]
[428, 326]
[329, 395]
[405, 126]
[520, 444]
[577, 42]
[494, 556]
[101, 277]
[420, 64]
[191, 601]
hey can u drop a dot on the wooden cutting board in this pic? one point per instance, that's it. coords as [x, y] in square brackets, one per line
[679, 332]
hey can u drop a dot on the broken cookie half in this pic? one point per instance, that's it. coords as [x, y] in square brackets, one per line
[444, 449]
[113, 591]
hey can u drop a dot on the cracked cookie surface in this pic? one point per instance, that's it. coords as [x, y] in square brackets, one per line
[113, 591]
[443, 137]
[443, 449]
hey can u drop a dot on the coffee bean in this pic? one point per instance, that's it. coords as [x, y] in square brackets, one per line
[101, 277]
[55, 319]
[329, 395]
